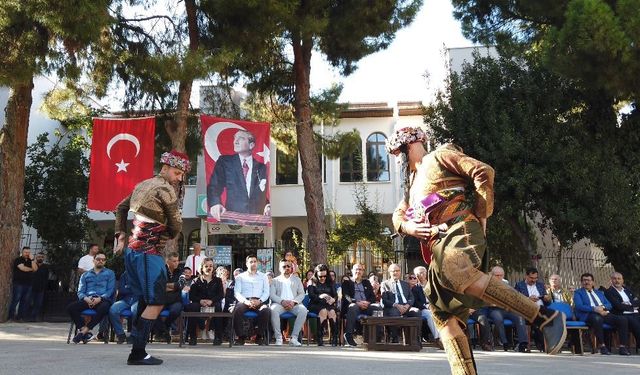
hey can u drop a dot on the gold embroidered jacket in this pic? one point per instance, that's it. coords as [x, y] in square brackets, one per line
[155, 199]
[448, 167]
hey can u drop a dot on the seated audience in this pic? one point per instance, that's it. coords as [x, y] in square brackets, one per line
[175, 284]
[593, 308]
[252, 293]
[373, 279]
[397, 299]
[96, 290]
[536, 292]
[557, 292]
[323, 298]
[206, 291]
[125, 299]
[287, 293]
[357, 299]
[624, 303]
[422, 304]
[498, 315]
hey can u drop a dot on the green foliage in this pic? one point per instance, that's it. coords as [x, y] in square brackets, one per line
[56, 186]
[594, 41]
[365, 227]
[557, 151]
[40, 36]
[325, 110]
[259, 35]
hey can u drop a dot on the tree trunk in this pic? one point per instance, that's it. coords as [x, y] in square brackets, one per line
[311, 173]
[523, 236]
[177, 129]
[13, 147]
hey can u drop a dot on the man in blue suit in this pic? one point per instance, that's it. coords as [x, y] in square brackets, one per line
[537, 293]
[244, 178]
[593, 308]
[624, 303]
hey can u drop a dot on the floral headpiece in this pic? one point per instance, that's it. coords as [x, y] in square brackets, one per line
[177, 160]
[405, 136]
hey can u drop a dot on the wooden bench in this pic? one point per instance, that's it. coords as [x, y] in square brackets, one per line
[412, 328]
[208, 315]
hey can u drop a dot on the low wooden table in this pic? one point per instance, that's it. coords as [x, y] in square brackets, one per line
[197, 314]
[412, 325]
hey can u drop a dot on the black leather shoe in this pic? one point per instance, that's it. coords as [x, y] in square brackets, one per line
[217, 341]
[604, 350]
[553, 325]
[624, 351]
[523, 348]
[348, 339]
[121, 339]
[149, 361]
[193, 341]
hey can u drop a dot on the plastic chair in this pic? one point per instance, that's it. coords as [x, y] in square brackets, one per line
[573, 325]
[89, 313]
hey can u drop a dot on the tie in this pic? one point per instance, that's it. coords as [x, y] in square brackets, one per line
[245, 169]
[401, 299]
[595, 303]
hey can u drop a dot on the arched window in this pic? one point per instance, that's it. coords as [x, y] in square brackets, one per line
[351, 166]
[377, 158]
[292, 239]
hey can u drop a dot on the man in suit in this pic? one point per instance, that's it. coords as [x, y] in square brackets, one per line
[397, 299]
[422, 303]
[357, 299]
[286, 294]
[244, 178]
[593, 308]
[537, 293]
[556, 292]
[624, 303]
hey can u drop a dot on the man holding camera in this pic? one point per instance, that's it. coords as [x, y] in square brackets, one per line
[23, 270]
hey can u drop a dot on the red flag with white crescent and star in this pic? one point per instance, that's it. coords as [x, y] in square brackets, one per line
[121, 156]
[237, 164]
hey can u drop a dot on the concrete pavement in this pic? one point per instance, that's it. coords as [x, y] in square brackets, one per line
[40, 348]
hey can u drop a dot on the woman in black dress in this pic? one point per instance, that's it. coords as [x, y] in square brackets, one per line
[323, 297]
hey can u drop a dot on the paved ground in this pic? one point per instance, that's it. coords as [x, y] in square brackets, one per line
[40, 348]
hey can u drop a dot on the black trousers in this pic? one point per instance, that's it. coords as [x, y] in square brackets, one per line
[264, 316]
[75, 308]
[354, 311]
[595, 321]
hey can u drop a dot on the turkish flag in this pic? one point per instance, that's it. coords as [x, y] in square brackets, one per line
[121, 156]
[237, 173]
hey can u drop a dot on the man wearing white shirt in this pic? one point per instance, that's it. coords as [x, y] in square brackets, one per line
[252, 292]
[287, 294]
[624, 303]
[194, 260]
[593, 308]
[86, 262]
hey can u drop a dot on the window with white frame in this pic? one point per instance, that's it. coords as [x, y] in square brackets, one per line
[377, 158]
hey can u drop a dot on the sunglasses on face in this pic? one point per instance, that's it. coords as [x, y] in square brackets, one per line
[411, 277]
[322, 276]
[286, 266]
